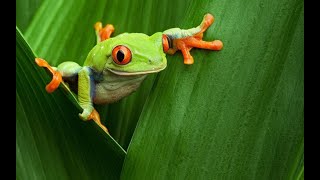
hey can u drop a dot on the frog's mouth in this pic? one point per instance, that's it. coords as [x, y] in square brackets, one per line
[123, 73]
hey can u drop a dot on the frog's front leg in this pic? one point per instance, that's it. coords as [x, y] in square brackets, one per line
[86, 88]
[184, 40]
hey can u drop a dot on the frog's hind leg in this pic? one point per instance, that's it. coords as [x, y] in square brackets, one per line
[85, 95]
[103, 33]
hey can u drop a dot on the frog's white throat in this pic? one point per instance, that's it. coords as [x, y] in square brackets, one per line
[114, 87]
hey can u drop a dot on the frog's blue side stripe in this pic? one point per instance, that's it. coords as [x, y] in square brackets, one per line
[92, 84]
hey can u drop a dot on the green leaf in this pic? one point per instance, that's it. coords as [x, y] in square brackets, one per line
[53, 144]
[233, 114]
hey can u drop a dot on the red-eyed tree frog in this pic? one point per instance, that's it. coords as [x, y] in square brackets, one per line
[116, 66]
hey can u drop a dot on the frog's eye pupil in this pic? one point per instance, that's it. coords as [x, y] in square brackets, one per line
[121, 55]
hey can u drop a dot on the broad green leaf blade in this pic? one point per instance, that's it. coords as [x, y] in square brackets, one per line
[234, 114]
[53, 144]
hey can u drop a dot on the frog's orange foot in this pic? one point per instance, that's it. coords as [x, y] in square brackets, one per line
[186, 44]
[103, 33]
[195, 41]
[56, 76]
[96, 117]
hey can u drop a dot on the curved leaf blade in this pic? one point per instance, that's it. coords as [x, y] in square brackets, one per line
[52, 144]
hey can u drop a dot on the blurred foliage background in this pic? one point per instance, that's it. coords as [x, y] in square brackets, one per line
[233, 114]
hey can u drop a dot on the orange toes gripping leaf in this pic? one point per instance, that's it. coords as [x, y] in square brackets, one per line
[56, 76]
[185, 44]
[96, 118]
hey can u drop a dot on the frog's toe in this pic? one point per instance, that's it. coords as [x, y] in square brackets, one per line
[217, 45]
[206, 22]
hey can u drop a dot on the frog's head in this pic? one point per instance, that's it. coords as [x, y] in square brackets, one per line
[129, 54]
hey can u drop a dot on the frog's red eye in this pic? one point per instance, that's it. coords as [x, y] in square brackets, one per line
[121, 55]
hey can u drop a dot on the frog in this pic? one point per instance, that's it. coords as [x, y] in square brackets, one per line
[116, 66]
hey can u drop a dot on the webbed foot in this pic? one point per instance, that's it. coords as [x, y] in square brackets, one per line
[103, 33]
[188, 39]
[94, 115]
[56, 76]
